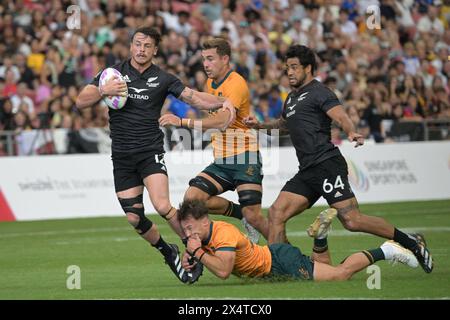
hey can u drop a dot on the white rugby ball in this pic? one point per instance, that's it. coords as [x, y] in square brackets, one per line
[114, 102]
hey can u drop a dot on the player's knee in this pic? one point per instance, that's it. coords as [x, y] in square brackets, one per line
[133, 219]
[162, 207]
[134, 209]
[352, 223]
[195, 194]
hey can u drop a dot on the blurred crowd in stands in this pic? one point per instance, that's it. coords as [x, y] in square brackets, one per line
[396, 73]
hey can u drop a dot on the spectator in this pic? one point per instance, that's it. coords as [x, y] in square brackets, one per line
[26, 74]
[6, 115]
[20, 99]
[262, 111]
[226, 21]
[347, 26]
[430, 23]
[410, 59]
[275, 103]
[21, 122]
[36, 58]
[242, 65]
[342, 76]
[193, 59]
[8, 64]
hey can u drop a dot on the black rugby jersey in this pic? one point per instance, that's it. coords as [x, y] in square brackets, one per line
[135, 127]
[309, 125]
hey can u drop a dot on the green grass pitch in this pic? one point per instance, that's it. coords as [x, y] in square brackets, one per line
[116, 264]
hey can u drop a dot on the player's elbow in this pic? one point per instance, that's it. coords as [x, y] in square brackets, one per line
[87, 97]
[224, 125]
[80, 104]
[81, 101]
[223, 274]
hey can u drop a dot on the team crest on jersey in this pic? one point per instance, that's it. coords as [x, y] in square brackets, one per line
[302, 96]
[250, 171]
[150, 82]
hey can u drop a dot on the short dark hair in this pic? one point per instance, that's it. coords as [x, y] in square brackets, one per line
[304, 54]
[150, 32]
[222, 46]
[195, 208]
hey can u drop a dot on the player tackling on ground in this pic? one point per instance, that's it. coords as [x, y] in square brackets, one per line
[137, 140]
[308, 112]
[224, 250]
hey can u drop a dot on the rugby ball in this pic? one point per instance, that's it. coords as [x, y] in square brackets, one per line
[114, 102]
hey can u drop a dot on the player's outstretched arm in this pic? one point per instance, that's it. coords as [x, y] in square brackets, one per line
[219, 121]
[278, 124]
[201, 100]
[339, 115]
[91, 94]
[206, 101]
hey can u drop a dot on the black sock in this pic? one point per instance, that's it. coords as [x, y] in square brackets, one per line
[320, 245]
[163, 247]
[374, 255]
[233, 210]
[237, 212]
[404, 239]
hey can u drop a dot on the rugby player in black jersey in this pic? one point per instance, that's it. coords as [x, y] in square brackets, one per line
[137, 140]
[308, 112]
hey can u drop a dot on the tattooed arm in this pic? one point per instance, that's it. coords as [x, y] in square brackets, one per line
[279, 124]
[206, 101]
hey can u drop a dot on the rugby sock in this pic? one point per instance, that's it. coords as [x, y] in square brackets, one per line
[404, 239]
[320, 245]
[233, 210]
[163, 247]
[375, 255]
